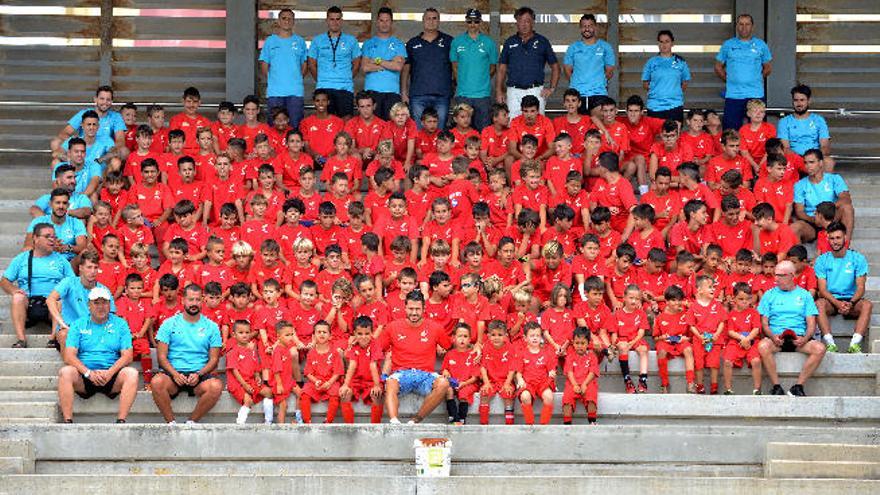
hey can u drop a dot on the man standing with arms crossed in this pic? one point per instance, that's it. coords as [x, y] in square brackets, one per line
[383, 59]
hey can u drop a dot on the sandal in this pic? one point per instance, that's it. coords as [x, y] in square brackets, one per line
[19, 344]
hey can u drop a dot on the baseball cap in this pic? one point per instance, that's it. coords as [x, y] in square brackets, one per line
[473, 14]
[100, 293]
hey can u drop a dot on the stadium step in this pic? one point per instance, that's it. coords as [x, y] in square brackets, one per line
[16, 457]
[788, 460]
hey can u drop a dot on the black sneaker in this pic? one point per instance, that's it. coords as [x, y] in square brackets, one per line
[797, 390]
[777, 390]
[120, 421]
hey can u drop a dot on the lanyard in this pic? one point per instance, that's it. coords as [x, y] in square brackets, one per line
[333, 46]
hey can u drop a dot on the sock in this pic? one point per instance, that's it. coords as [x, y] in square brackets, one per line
[268, 410]
[305, 403]
[451, 409]
[332, 406]
[147, 366]
[484, 413]
[242, 415]
[624, 368]
[566, 419]
[829, 339]
[581, 292]
[643, 378]
[546, 414]
[713, 388]
[643, 189]
[376, 413]
[591, 417]
[856, 339]
[528, 414]
[347, 412]
[508, 415]
[663, 370]
[689, 376]
[463, 407]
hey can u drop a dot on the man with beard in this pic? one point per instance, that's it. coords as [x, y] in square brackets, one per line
[65, 178]
[742, 63]
[589, 64]
[804, 130]
[841, 274]
[188, 349]
[68, 302]
[71, 232]
[110, 123]
[414, 343]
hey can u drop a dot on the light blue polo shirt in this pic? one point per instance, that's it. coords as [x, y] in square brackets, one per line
[189, 343]
[285, 57]
[588, 64]
[47, 272]
[74, 299]
[665, 75]
[77, 201]
[99, 345]
[108, 125]
[335, 75]
[810, 195]
[474, 58]
[84, 175]
[383, 81]
[840, 274]
[67, 232]
[803, 134]
[787, 310]
[743, 62]
[98, 149]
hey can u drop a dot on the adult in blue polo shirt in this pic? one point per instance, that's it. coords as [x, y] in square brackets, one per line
[804, 130]
[666, 76]
[334, 59]
[111, 124]
[65, 178]
[99, 148]
[742, 63]
[426, 78]
[521, 65]
[474, 57]
[188, 350]
[283, 63]
[589, 64]
[71, 232]
[88, 172]
[842, 274]
[383, 59]
[29, 287]
[97, 356]
[788, 319]
[818, 187]
[68, 301]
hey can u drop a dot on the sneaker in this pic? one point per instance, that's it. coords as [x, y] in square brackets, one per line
[777, 390]
[298, 415]
[701, 389]
[855, 349]
[643, 388]
[664, 389]
[728, 392]
[120, 421]
[831, 348]
[756, 391]
[630, 388]
[797, 391]
[394, 421]
[691, 388]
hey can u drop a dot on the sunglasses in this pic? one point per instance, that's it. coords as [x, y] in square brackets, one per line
[473, 22]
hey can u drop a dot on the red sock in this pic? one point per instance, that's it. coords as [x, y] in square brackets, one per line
[376, 413]
[566, 418]
[713, 388]
[546, 414]
[663, 368]
[484, 413]
[305, 405]
[591, 415]
[528, 414]
[147, 366]
[689, 376]
[347, 412]
[332, 406]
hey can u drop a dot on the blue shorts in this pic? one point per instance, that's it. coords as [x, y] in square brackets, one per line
[413, 381]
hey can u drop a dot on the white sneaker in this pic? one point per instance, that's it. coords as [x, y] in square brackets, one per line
[394, 421]
[172, 422]
[190, 422]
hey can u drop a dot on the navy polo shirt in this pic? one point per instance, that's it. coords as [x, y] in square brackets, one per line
[525, 61]
[430, 68]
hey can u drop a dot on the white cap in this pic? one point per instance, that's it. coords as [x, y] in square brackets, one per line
[100, 293]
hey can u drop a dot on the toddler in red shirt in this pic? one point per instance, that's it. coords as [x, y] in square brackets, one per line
[536, 375]
[137, 311]
[558, 321]
[497, 372]
[644, 236]
[672, 338]
[628, 326]
[243, 374]
[744, 334]
[708, 337]
[581, 378]
[362, 380]
[286, 373]
[322, 372]
[111, 271]
[460, 368]
[426, 140]
[593, 314]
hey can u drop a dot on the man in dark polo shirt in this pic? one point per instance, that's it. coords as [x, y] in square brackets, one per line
[426, 79]
[521, 66]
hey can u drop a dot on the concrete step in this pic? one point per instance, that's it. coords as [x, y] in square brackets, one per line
[37, 410]
[823, 452]
[27, 383]
[16, 457]
[822, 469]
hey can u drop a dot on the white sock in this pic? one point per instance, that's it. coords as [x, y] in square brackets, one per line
[242, 415]
[268, 410]
[857, 339]
[581, 292]
[828, 338]
[643, 189]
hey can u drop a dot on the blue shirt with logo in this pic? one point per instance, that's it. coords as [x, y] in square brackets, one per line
[189, 344]
[665, 75]
[67, 232]
[474, 57]
[430, 68]
[334, 71]
[47, 272]
[99, 345]
[74, 299]
[743, 61]
[98, 149]
[108, 125]
[525, 59]
[787, 310]
[803, 134]
[77, 201]
[383, 81]
[840, 274]
[84, 175]
[810, 195]
[588, 64]
[285, 57]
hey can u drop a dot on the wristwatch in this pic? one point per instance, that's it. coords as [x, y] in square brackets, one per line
[87, 374]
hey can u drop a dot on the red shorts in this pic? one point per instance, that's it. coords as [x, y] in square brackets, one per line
[312, 392]
[591, 394]
[672, 350]
[140, 347]
[497, 389]
[360, 391]
[538, 388]
[639, 343]
[703, 359]
[265, 357]
[238, 392]
[739, 356]
[283, 396]
[467, 392]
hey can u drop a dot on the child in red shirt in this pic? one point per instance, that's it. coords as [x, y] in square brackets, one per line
[708, 337]
[558, 321]
[461, 192]
[265, 187]
[403, 135]
[755, 134]
[773, 237]
[666, 202]
[620, 276]
[215, 268]
[268, 266]
[730, 159]
[439, 164]
[291, 161]
[322, 372]
[176, 265]
[285, 373]
[153, 198]
[362, 381]
[531, 194]
[653, 279]
[426, 140]
[137, 311]
[536, 375]
[804, 275]
[333, 270]
[237, 309]
[494, 138]
[309, 195]
[672, 338]
[462, 130]
[671, 152]
[732, 232]
[167, 304]
[280, 121]
[252, 127]
[320, 130]
[613, 192]
[111, 271]
[573, 123]
[701, 142]
[460, 368]
[560, 164]
[385, 159]
[644, 236]
[221, 191]
[683, 274]
[743, 333]
[774, 189]
[594, 314]
[628, 326]
[587, 263]
[581, 378]
[256, 228]
[223, 129]
[301, 268]
[187, 228]
[326, 231]
[366, 128]
[441, 227]
[205, 159]
[344, 160]
[528, 147]
[243, 380]
[549, 271]
[242, 259]
[497, 368]
[140, 263]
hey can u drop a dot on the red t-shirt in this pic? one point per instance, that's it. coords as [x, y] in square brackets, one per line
[720, 164]
[413, 346]
[367, 134]
[461, 365]
[320, 133]
[134, 312]
[643, 244]
[707, 318]
[779, 241]
[323, 365]
[153, 201]
[673, 324]
[556, 169]
[701, 145]
[778, 194]
[577, 130]
[223, 133]
[669, 204]
[532, 199]
[732, 238]
[542, 129]
[461, 138]
[363, 357]
[560, 324]
[617, 196]
[111, 274]
[289, 168]
[643, 134]
[189, 126]
[626, 325]
[427, 142]
[753, 141]
[400, 136]
[492, 143]
[535, 367]
[674, 157]
[498, 362]
[196, 238]
[254, 232]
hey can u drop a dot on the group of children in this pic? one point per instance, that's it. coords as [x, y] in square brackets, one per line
[527, 239]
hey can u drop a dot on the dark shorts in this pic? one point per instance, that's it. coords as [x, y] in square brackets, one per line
[676, 114]
[92, 389]
[190, 390]
[37, 312]
[341, 102]
[384, 102]
[588, 103]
